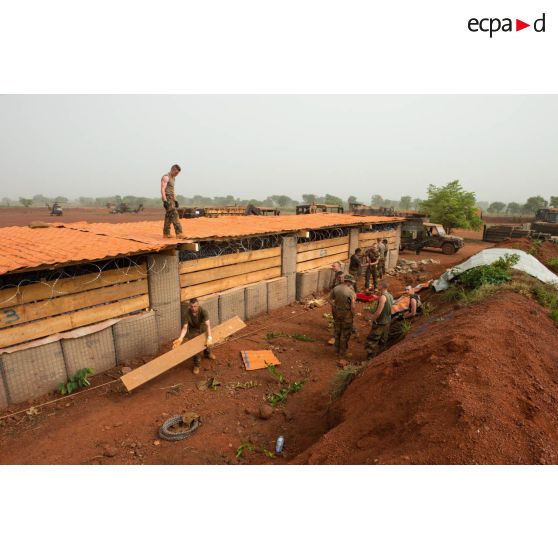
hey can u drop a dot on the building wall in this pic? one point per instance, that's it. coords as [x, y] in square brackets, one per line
[147, 300]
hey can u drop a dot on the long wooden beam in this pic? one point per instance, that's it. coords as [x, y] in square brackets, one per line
[341, 249]
[228, 259]
[165, 362]
[306, 246]
[12, 296]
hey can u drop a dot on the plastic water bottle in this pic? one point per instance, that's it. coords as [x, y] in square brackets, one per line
[279, 445]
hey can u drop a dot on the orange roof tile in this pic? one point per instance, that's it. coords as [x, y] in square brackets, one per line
[25, 248]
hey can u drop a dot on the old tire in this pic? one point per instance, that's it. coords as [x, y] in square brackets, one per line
[448, 248]
[171, 436]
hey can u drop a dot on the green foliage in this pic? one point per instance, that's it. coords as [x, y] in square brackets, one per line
[26, 202]
[427, 309]
[554, 201]
[246, 385]
[343, 377]
[552, 264]
[534, 203]
[496, 207]
[270, 335]
[333, 200]
[281, 396]
[405, 203]
[547, 295]
[535, 247]
[554, 315]
[248, 446]
[406, 326]
[514, 208]
[451, 206]
[495, 273]
[272, 369]
[303, 337]
[75, 382]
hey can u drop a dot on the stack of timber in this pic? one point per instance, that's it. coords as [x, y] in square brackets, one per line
[38, 310]
[220, 273]
[319, 253]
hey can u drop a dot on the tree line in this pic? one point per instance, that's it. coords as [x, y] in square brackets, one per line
[530, 207]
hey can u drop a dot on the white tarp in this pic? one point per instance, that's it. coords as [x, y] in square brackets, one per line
[527, 263]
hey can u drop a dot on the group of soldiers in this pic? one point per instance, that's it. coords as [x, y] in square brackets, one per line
[343, 299]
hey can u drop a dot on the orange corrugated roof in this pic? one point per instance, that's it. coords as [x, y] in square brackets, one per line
[203, 228]
[25, 248]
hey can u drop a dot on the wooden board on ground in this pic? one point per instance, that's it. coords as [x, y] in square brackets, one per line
[258, 360]
[169, 360]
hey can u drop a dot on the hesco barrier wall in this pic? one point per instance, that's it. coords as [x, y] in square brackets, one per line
[128, 312]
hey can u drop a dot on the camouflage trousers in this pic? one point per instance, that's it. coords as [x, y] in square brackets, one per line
[171, 217]
[206, 352]
[371, 271]
[343, 328]
[382, 267]
[377, 339]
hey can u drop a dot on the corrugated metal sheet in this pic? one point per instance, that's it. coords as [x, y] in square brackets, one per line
[25, 248]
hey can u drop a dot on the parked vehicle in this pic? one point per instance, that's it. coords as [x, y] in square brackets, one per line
[546, 221]
[55, 209]
[417, 235]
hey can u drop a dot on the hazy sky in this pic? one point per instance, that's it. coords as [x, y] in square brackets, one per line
[501, 147]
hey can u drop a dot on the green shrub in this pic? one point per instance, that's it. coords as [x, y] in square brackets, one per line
[552, 264]
[496, 273]
[77, 381]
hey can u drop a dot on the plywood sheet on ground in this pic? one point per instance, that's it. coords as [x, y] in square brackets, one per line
[258, 360]
[165, 362]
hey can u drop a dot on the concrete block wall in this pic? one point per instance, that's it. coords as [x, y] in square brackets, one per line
[353, 240]
[211, 304]
[306, 284]
[136, 336]
[232, 303]
[277, 295]
[325, 278]
[288, 265]
[33, 372]
[164, 293]
[255, 299]
[95, 351]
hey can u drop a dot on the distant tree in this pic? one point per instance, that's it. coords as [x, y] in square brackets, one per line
[553, 201]
[85, 201]
[534, 203]
[514, 208]
[26, 202]
[282, 201]
[39, 199]
[483, 205]
[451, 206]
[377, 200]
[496, 207]
[308, 198]
[416, 203]
[405, 202]
[333, 200]
[61, 199]
[350, 200]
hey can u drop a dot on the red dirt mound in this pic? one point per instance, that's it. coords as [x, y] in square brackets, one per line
[543, 252]
[479, 385]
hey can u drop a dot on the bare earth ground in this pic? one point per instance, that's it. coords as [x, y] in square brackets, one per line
[108, 425]
[20, 216]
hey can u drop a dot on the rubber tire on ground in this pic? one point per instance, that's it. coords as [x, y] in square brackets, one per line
[170, 436]
[448, 248]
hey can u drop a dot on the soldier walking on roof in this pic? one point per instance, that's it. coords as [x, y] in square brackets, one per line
[170, 204]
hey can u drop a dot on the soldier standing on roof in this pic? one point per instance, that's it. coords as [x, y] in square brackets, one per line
[170, 204]
[342, 299]
[195, 321]
[381, 321]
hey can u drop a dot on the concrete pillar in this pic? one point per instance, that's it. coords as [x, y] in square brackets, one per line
[288, 265]
[164, 293]
[353, 240]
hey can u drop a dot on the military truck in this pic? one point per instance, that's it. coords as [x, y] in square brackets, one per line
[417, 235]
[546, 221]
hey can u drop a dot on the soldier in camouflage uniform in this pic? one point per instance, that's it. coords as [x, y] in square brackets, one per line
[337, 277]
[381, 321]
[373, 257]
[195, 321]
[170, 204]
[384, 254]
[342, 300]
